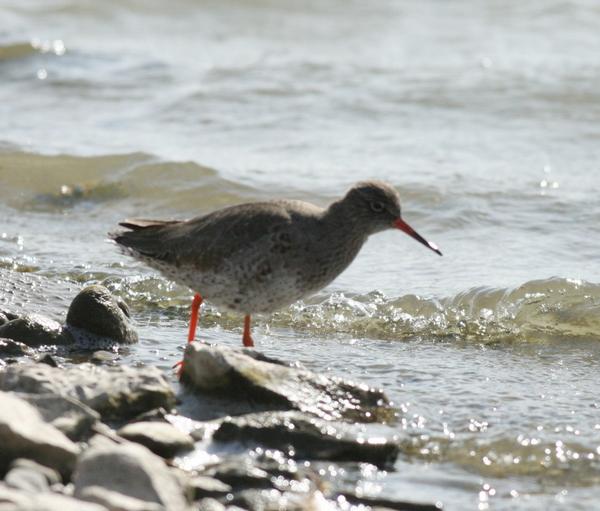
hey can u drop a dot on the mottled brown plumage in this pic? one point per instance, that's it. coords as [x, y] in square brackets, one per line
[262, 256]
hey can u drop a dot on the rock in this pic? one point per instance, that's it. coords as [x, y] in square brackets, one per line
[241, 474]
[307, 438]
[131, 470]
[35, 330]
[116, 501]
[10, 348]
[376, 503]
[103, 357]
[116, 392]
[66, 414]
[51, 476]
[161, 438]
[210, 504]
[3, 318]
[27, 480]
[204, 486]
[47, 359]
[24, 434]
[269, 386]
[47, 501]
[97, 312]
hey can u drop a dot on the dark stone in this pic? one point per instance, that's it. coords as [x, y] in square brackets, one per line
[240, 474]
[305, 437]
[48, 360]
[3, 318]
[98, 312]
[384, 504]
[225, 372]
[10, 348]
[36, 330]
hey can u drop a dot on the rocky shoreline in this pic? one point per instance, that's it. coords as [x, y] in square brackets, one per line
[242, 431]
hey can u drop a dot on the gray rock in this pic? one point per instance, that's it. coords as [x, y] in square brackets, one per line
[3, 318]
[47, 501]
[48, 360]
[161, 438]
[68, 415]
[26, 479]
[10, 348]
[307, 438]
[115, 392]
[51, 475]
[35, 330]
[116, 501]
[24, 434]
[231, 373]
[241, 474]
[210, 504]
[97, 311]
[382, 504]
[131, 470]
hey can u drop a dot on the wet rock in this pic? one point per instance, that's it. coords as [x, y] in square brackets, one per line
[3, 318]
[103, 357]
[97, 312]
[48, 360]
[161, 438]
[141, 475]
[231, 373]
[36, 330]
[241, 474]
[380, 504]
[204, 486]
[66, 414]
[10, 348]
[24, 434]
[116, 392]
[116, 501]
[307, 438]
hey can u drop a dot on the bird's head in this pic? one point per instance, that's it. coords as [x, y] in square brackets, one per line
[375, 206]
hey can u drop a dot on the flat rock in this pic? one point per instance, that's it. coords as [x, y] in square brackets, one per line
[24, 434]
[114, 392]
[131, 470]
[97, 319]
[161, 438]
[233, 374]
[308, 438]
[36, 330]
[66, 414]
[205, 487]
[47, 501]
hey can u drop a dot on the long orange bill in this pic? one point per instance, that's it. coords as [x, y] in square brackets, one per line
[403, 226]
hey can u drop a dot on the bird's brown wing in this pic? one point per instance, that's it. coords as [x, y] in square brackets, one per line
[206, 241]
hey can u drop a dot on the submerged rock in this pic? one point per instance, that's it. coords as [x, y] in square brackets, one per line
[96, 318]
[161, 438]
[36, 330]
[233, 374]
[24, 434]
[11, 348]
[307, 438]
[114, 392]
[131, 470]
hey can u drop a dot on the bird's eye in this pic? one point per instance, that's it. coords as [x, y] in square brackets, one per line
[377, 206]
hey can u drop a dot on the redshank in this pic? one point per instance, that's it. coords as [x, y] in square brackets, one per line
[262, 256]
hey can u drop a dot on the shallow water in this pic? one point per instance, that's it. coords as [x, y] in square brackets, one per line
[484, 115]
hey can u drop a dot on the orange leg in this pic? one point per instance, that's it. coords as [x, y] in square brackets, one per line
[247, 338]
[195, 314]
